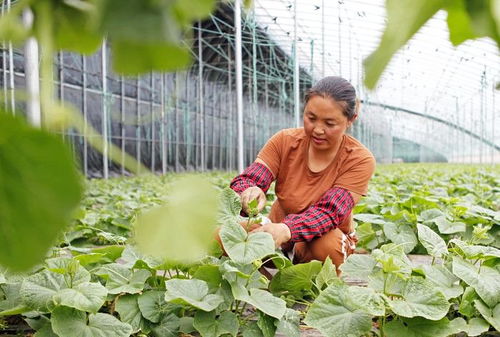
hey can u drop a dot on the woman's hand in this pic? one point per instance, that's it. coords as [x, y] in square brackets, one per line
[279, 231]
[250, 194]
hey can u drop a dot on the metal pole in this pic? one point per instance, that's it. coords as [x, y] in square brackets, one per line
[201, 100]
[323, 38]
[32, 74]
[84, 108]
[11, 71]
[239, 82]
[163, 138]
[296, 69]
[104, 111]
[153, 124]
[122, 122]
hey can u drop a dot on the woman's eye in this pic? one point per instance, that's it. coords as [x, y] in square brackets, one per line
[330, 124]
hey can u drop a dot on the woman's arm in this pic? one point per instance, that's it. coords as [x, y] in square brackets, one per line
[321, 217]
[253, 183]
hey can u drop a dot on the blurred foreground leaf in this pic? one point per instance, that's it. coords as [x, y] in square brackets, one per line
[39, 189]
[183, 229]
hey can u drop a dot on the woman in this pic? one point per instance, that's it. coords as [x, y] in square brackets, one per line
[320, 172]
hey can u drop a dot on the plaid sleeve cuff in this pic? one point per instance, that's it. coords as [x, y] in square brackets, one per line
[322, 216]
[256, 174]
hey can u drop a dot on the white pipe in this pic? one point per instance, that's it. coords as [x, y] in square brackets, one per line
[296, 69]
[32, 73]
[239, 83]
[104, 111]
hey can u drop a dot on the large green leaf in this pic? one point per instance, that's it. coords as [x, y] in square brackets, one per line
[289, 324]
[153, 306]
[126, 305]
[70, 268]
[190, 214]
[40, 188]
[37, 290]
[420, 327]
[420, 298]
[267, 303]
[75, 323]
[192, 292]
[359, 266]
[446, 226]
[459, 23]
[245, 248]
[444, 280]
[466, 306]
[88, 296]
[401, 234]
[344, 311]
[297, 280]
[120, 279]
[404, 19]
[168, 326]
[492, 315]
[431, 241]
[476, 251]
[393, 259]
[327, 274]
[485, 280]
[209, 326]
[229, 207]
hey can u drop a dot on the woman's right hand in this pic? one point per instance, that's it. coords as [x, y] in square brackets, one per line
[250, 194]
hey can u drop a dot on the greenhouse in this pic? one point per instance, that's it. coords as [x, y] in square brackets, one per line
[255, 168]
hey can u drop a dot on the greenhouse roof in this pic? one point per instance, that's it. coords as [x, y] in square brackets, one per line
[428, 76]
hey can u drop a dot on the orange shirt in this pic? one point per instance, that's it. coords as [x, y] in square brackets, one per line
[297, 187]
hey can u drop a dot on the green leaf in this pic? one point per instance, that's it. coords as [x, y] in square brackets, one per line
[444, 279]
[447, 227]
[37, 290]
[192, 292]
[401, 234]
[112, 252]
[476, 252]
[229, 207]
[120, 279]
[358, 266]
[404, 19]
[327, 274]
[483, 20]
[126, 305]
[168, 327]
[466, 306]
[190, 214]
[431, 241]
[393, 258]
[267, 325]
[153, 306]
[367, 236]
[40, 190]
[459, 23]
[370, 218]
[420, 298]
[419, 327]
[74, 28]
[297, 280]
[485, 280]
[209, 326]
[344, 311]
[492, 315]
[252, 330]
[69, 267]
[75, 323]
[245, 248]
[88, 296]
[289, 324]
[210, 274]
[267, 303]
[477, 326]
[430, 214]
[195, 9]
[134, 58]
[12, 28]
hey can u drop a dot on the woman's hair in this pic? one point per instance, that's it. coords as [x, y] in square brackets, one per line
[340, 90]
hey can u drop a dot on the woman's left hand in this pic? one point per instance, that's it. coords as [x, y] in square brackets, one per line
[279, 231]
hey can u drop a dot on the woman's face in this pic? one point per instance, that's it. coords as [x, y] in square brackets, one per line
[324, 122]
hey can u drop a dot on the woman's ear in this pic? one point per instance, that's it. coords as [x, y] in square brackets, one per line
[352, 120]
